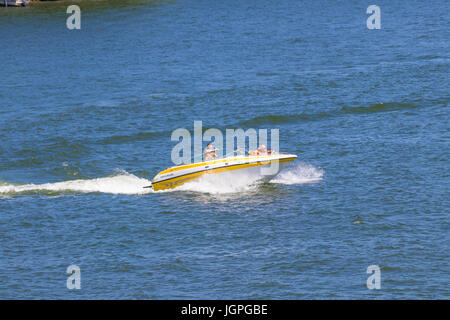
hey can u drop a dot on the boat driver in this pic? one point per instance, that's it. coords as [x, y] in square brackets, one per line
[209, 152]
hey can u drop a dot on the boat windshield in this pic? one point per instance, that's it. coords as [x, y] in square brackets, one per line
[237, 153]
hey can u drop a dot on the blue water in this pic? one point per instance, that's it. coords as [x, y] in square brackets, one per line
[86, 117]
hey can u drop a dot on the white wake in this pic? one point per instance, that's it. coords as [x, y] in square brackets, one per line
[299, 174]
[120, 183]
[239, 182]
[219, 183]
[126, 183]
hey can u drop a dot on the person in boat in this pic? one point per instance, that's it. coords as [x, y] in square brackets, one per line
[210, 152]
[261, 151]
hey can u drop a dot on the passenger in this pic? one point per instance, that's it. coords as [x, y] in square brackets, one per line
[261, 151]
[209, 152]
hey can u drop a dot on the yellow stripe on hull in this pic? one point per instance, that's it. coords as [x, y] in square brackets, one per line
[178, 181]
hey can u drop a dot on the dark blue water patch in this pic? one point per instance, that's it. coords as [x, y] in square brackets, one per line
[343, 111]
[141, 136]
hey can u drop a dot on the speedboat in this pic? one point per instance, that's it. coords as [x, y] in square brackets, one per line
[263, 167]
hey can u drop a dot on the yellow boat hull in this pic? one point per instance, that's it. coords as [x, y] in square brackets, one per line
[176, 176]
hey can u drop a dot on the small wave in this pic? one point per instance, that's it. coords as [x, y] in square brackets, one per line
[120, 183]
[299, 174]
[380, 107]
[280, 119]
[294, 118]
[141, 136]
[297, 40]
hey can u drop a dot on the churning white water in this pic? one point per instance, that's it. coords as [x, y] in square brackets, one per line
[120, 183]
[126, 183]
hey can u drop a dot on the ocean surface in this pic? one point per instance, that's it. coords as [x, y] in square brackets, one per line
[86, 118]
